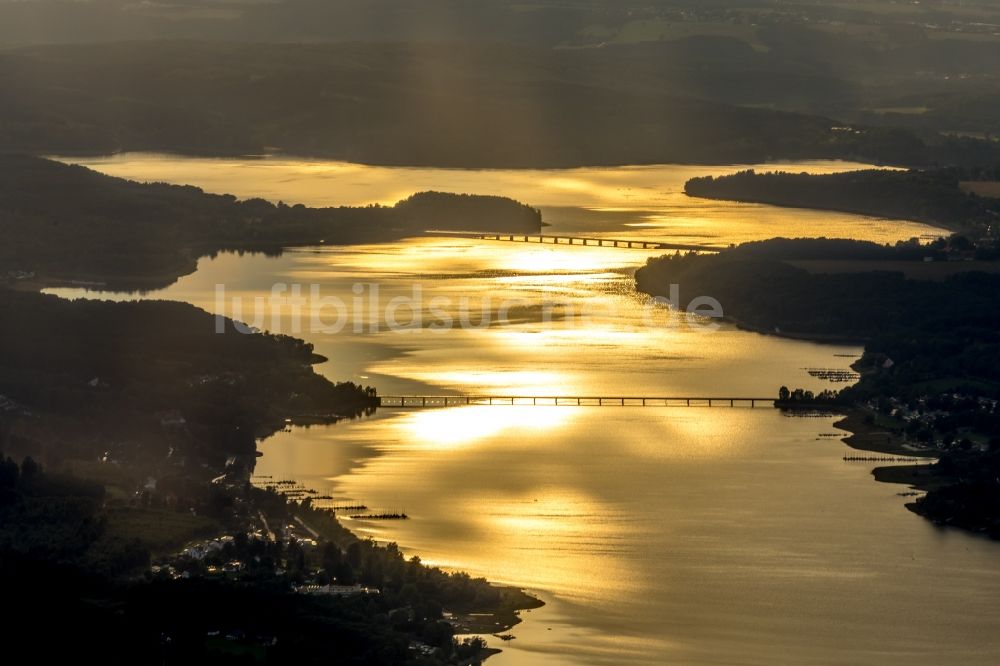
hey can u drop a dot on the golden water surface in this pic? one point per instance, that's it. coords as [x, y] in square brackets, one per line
[655, 535]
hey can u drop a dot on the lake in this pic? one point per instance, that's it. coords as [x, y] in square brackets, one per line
[655, 535]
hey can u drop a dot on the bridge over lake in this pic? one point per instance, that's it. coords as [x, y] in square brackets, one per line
[432, 401]
[578, 241]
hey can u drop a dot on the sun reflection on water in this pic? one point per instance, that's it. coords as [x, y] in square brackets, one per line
[658, 524]
[458, 427]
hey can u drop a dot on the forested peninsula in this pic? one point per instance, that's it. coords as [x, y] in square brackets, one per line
[126, 235]
[127, 517]
[932, 346]
[934, 196]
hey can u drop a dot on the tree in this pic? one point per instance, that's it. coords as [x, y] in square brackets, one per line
[332, 558]
[9, 472]
[784, 393]
[29, 469]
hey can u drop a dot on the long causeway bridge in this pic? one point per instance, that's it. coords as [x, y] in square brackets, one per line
[578, 241]
[432, 401]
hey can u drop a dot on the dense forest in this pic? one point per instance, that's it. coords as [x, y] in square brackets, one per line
[134, 235]
[932, 347]
[933, 197]
[149, 383]
[463, 104]
[758, 288]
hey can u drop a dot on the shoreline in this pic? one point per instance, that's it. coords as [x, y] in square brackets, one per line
[492, 621]
[261, 154]
[818, 338]
[840, 209]
[953, 482]
[869, 436]
[502, 619]
[865, 436]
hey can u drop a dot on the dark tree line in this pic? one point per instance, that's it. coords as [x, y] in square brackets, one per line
[931, 346]
[68, 222]
[931, 196]
[142, 379]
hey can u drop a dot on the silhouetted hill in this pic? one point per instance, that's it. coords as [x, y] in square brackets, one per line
[144, 378]
[758, 287]
[929, 67]
[452, 105]
[933, 197]
[70, 223]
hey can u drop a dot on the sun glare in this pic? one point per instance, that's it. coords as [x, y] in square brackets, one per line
[459, 427]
